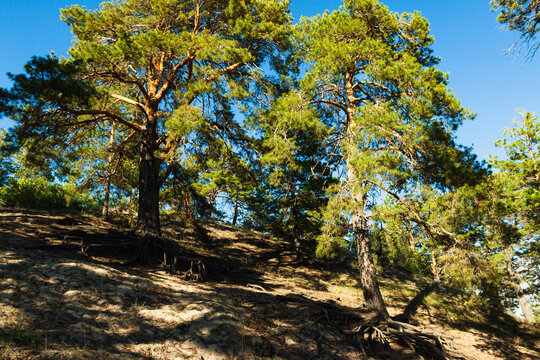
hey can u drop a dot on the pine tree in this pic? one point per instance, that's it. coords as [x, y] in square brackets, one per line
[522, 16]
[518, 179]
[391, 116]
[491, 227]
[162, 70]
[295, 172]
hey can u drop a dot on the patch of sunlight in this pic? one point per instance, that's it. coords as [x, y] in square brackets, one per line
[10, 316]
[174, 315]
[9, 257]
[99, 270]
[176, 284]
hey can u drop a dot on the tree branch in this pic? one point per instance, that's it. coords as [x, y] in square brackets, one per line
[430, 228]
[129, 101]
[103, 113]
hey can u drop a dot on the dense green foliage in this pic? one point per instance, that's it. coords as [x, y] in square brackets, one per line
[390, 116]
[518, 180]
[290, 197]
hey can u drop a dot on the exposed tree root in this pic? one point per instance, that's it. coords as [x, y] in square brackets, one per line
[197, 270]
[157, 250]
[426, 343]
[153, 250]
[150, 250]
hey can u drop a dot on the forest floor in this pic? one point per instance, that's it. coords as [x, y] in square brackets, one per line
[259, 302]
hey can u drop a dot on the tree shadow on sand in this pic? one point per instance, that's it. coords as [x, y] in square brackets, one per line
[491, 328]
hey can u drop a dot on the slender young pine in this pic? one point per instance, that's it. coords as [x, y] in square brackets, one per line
[372, 73]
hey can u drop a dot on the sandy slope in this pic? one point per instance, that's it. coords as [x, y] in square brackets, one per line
[57, 303]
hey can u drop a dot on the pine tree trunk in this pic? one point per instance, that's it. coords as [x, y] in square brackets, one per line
[110, 158]
[235, 215]
[435, 267]
[368, 273]
[296, 230]
[525, 307]
[293, 217]
[523, 302]
[148, 215]
[106, 198]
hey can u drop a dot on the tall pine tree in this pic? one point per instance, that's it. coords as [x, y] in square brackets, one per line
[163, 70]
[392, 118]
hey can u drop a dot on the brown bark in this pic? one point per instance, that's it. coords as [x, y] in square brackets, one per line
[525, 307]
[148, 216]
[235, 215]
[148, 222]
[435, 267]
[368, 274]
[106, 198]
[294, 217]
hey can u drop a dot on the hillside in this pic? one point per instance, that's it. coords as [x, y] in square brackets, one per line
[259, 301]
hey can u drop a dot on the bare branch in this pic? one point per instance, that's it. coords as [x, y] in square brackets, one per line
[128, 100]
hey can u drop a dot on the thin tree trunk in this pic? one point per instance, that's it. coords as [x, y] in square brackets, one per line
[148, 215]
[296, 231]
[235, 215]
[525, 307]
[435, 267]
[522, 299]
[211, 201]
[368, 274]
[110, 158]
[106, 197]
[293, 216]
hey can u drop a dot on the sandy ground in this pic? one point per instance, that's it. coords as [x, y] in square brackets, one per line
[56, 303]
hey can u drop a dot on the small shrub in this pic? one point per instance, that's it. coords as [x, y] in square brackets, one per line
[75, 200]
[33, 193]
[38, 193]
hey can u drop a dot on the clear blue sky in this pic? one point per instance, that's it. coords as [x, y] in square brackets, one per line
[468, 39]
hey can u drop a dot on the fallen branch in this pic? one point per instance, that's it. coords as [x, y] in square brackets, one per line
[256, 287]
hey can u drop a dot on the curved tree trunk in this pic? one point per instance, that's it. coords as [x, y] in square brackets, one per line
[106, 199]
[362, 239]
[435, 267]
[293, 217]
[368, 274]
[235, 214]
[523, 302]
[524, 305]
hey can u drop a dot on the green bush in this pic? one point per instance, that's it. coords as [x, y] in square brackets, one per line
[38, 193]
[76, 200]
[32, 193]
